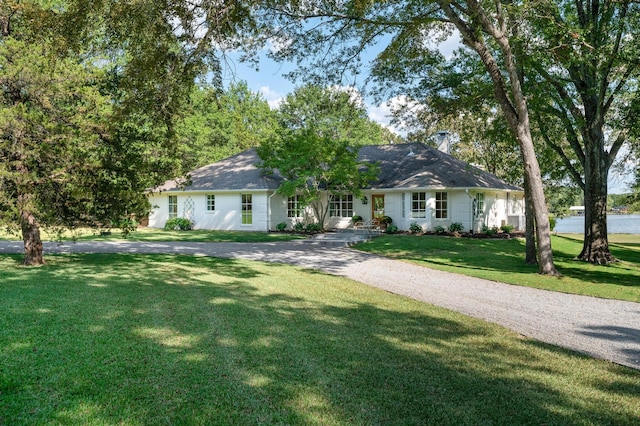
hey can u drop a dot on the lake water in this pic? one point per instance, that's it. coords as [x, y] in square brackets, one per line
[616, 224]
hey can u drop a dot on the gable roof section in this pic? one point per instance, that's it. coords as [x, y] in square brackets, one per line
[416, 165]
[406, 166]
[238, 172]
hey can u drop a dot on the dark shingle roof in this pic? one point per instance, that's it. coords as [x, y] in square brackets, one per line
[238, 172]
[409, 166]
[417, 165]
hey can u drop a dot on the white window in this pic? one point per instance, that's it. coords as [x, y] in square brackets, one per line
[247, 209]
[418, 205]
[173, 206]
[294, 207]
[441, 205]
[479, 203]
[341, 206]
[514, 205]
[211, 202]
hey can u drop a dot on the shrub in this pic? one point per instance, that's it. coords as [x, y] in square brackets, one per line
[298, 227]
[386, 220]
[439, 230]
[356, 218]
[313, 228]
[552, 222]
[391, 229]
[178, 224]
[126, 225]
[456, 227]
[506, 228]
[281, 226]
[414, 228]
[489, 231]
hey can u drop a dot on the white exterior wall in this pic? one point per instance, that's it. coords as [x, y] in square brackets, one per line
[460, 209]
[499, 208]
[226, 216]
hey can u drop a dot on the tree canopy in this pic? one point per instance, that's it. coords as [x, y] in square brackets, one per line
[219, 123]
[316, 150]
[89, 97]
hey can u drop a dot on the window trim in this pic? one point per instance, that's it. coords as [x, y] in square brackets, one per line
[419, 205]
[294, 208]
[441, 210]
[480, 203]
[341, 205]
[173, 206]
[210, 200]
[246, 209]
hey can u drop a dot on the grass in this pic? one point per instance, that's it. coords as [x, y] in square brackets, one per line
[100, 340]
[503, 260]
[154, 234]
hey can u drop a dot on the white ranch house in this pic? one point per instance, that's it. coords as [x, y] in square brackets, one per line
[416, 184]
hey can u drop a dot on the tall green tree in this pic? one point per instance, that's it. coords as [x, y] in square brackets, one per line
[316, 168]
[218, 124]
[584, 62]
[89, 96]
[334, 113]
[314, 29]
[316, 150]
[50, 126]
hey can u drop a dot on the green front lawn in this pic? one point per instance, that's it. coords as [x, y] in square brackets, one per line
[138, 340]
[154, 234]
[503, 260]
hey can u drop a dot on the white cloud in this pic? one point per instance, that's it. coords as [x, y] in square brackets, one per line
[274, 98]
[382, 113]
[450, 45]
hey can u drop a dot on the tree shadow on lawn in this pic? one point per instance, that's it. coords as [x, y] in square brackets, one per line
[623, 273]
[472, 253]
[175, 339]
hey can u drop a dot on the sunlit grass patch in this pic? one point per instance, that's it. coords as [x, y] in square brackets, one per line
[155, 234]
[136, 340]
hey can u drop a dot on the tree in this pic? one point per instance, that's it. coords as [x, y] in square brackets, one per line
[89, 95]
[49, 118]
[333, 113]
[485, 29]
[316, 168]
[585, 66]
[316, 151]
[219, 124]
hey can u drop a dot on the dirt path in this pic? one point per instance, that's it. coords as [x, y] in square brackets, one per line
[602, 328]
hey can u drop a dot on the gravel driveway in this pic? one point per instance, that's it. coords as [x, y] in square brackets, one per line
[602, 328]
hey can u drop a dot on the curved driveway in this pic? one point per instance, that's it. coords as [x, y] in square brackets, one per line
[602, 328]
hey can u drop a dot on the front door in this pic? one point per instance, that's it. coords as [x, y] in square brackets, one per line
[377, 206]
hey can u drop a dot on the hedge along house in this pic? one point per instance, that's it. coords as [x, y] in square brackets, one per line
[416, 184]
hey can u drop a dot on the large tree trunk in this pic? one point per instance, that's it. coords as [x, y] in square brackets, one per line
[541, 215]
[530, 239]
[595, 248]
[32, 242]
[514, 107]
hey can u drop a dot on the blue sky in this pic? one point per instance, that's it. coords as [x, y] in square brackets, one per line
[269, 81]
